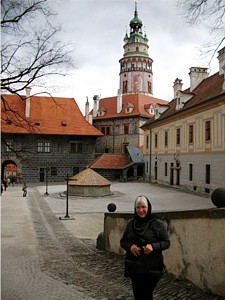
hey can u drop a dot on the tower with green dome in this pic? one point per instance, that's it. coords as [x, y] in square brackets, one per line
[136, 65]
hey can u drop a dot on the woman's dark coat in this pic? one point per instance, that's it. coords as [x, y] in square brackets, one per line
[155, 233]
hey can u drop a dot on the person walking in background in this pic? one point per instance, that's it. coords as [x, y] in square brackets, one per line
[144, 239]
[24, 189]
[5, 184]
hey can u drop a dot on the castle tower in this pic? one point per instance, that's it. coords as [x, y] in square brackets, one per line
[136, 66]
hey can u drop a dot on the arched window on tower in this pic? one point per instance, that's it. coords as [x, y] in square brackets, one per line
[149, 87]
[125, 86]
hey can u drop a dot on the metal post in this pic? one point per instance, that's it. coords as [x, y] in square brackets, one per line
[67, 217]
[46, 177]
[67, 197]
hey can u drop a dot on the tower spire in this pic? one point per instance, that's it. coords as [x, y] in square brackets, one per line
[135, 12]
[136, 65]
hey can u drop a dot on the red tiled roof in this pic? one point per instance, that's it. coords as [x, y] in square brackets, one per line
[137, 101]
[110, 161]
[207, 90]
[54, 115]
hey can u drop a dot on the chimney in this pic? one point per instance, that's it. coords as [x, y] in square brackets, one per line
[27, 112]
[96, 105]
[177, 86]
[87, 108]
[119, 101]
[221, 59]
[197, 75]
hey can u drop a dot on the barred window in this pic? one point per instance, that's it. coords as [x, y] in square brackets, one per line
[191, 134]
[76, 148]
[207, 131]
[178, 136]
[43, 147]
[9, 145]
[53, 171]
[166, 138]
[156, 140]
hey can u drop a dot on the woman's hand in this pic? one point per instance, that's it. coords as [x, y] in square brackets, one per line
[147, 249]
[135, 250]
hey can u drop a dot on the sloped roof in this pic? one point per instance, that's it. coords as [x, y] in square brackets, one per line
[208, 90]
[88, 177]
[110, 161]
[47, 116]
[135, 154]
[137, 101]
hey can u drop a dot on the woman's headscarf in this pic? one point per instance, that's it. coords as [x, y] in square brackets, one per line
[139, 223]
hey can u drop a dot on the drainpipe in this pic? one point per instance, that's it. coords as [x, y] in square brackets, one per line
[150, 156]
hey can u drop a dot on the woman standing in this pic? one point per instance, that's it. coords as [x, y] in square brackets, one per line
[144, 239]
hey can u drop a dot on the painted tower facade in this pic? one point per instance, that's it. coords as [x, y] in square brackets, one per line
[136, 65]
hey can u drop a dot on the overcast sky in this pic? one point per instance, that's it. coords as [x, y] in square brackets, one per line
[97, 29]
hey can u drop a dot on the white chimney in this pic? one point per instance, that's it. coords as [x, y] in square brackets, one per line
[27, 112]
[96, 105]
[221, 58]
[177, 86]
[87, 108]
[119, 101]
[196, 76]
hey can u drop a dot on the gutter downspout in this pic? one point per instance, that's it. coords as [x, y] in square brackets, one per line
[150, 157]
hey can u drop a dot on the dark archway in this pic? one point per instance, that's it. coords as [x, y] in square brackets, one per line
[140, 171]
[5, 174]
[130, 174]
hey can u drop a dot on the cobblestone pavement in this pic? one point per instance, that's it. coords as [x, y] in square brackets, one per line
[67, 267]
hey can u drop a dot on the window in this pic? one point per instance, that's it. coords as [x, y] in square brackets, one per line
[149, 87]
[156, 140]
[44, 147]
[190, 172]
[207, 174]
[191, 134]
[147, 141]
[75, 170]
[207, 131]
[53, 171]
[125, 86]
[126, 128]
[178, 136]
[9, 145]
[106, 130]
[166, 138]
[76, 147]
[166, 169]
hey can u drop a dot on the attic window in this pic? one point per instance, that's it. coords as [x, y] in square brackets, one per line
[129, 108]
[37, 123]
[64, 124]
[8, 122]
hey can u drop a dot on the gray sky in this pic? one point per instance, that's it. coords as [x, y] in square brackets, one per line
[97, 29]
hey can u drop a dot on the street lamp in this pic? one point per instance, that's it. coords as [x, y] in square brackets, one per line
[46, 179]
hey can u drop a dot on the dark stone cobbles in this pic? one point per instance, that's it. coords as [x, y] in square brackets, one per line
[95, 273]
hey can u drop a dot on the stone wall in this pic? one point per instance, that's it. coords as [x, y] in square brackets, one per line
[31, 162]
[197, 250]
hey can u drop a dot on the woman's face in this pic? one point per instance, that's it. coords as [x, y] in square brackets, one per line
[141, 209]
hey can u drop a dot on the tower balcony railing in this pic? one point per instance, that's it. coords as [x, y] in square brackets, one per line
[135, 69]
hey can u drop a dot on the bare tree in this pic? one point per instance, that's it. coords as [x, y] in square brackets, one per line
[30, 52]
[210, 13]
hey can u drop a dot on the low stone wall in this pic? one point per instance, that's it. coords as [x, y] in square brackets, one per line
[197, 250]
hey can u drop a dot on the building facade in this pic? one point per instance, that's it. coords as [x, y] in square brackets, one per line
[120, 118]
[46, 139]
[185, 141]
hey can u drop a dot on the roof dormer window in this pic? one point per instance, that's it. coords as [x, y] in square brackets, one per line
[129, 108]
